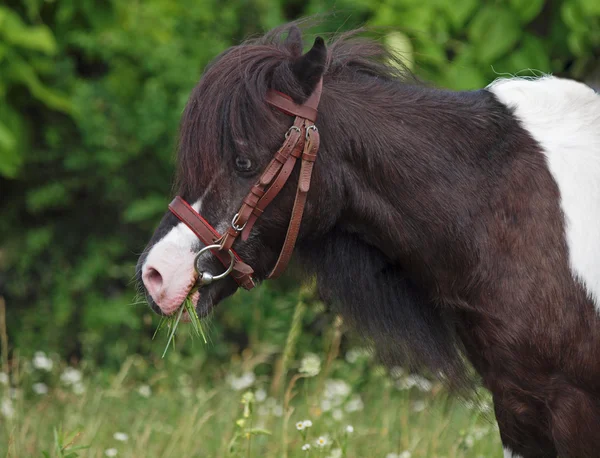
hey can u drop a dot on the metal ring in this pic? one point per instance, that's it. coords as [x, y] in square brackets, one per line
[289, 131]
[209, 277]
[235, 226]
[313, 127]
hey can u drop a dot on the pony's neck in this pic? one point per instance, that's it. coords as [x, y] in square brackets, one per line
[419, 167]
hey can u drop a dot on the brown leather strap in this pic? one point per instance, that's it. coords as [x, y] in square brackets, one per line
[308, 110]
[274, 189]
[294, 134]
[278, 165]
[308, 159]
[242, 272]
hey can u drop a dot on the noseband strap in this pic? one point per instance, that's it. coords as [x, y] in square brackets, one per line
[242, 272]
[301, 143]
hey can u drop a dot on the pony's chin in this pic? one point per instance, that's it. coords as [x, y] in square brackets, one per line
[205, 304]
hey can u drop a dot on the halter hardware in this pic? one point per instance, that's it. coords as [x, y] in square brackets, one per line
[301, 142]
[207, 278]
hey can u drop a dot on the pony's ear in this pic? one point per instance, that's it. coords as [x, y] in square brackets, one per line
[309, 68]
[294, 41]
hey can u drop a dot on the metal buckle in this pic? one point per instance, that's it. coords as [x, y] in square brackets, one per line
[235, 226]
[313, 127]
[207, 278]
[289, 131]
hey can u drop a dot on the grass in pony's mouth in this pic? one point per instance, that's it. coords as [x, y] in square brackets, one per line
[172, 321]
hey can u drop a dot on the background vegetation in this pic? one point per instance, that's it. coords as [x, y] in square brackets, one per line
[90, 97]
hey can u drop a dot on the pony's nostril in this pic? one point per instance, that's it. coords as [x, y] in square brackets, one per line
[153, 280]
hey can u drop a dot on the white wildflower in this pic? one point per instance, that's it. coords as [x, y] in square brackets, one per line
[42, 362]
[354, 354]
[40, 388]
[70, 376]
[241, 383]
[186, 391]
[337, 414]
[469, 441]
[310, 365]
[260, 395]
[336, 389]
[479, 432]
[122, 437]
[396, 372]
[349, 429]
[111, 452]
[300, 425]
[355, 404]
[424, 385]
[78, 388]
[307, 423]
[306, 447]
[3, 378]
[419, 406]
[6, 409]
[335, 453]
[144, 391]
[322, 441]
[417, 381]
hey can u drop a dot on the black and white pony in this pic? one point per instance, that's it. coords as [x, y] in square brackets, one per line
[441, 224]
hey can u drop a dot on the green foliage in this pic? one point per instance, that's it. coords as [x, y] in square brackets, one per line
[90, 98]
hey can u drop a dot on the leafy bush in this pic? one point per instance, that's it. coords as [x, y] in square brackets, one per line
[90, 97]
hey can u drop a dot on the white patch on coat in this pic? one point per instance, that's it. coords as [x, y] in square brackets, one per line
[564, 117]
[509, 454]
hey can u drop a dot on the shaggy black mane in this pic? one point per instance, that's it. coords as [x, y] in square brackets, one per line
[379, 300]
[229, 102]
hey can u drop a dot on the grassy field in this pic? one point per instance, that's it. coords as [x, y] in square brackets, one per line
[259, 404]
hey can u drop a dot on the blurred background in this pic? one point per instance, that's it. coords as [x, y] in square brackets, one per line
[90, 98]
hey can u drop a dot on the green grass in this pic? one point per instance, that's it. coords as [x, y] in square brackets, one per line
[186, 406]
[171, 322]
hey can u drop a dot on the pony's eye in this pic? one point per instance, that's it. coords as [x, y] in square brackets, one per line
[243, 164]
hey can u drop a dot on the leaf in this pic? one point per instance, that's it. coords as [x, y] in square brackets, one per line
[50, 196]
[464, 77]
[576, 44]
[531, 55]
[463, 73]
[145, 209]
[22, 71]
[527, 9]
[494, 31]
[16, 32]
[401, 47]
[10, 156]
[460, 12]
[38, 38]
[572, 15]
[591, 7]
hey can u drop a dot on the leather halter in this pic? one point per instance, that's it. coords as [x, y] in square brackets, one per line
[301, 142]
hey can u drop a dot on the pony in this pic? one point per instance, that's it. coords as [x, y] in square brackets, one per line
[454, 230]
